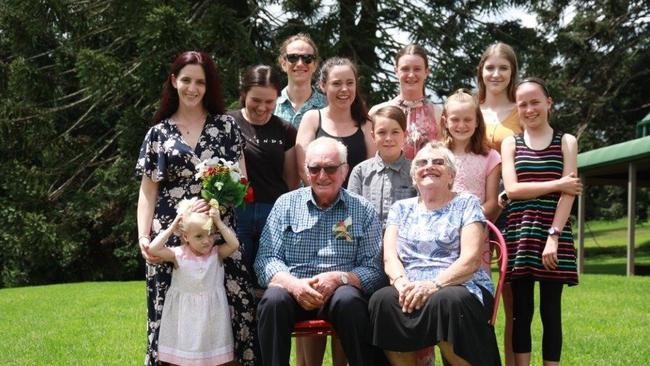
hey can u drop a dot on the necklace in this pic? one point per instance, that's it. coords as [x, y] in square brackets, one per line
[185, 128]
[409, 104]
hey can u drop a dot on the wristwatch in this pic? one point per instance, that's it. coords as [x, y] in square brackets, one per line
[344, 279]
[553, 231]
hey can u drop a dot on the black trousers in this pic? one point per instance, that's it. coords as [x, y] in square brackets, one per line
[550, 308]
[347, 310]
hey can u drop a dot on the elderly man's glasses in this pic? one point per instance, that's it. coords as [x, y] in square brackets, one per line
[329, 169]
[294, 57]
[421, 163]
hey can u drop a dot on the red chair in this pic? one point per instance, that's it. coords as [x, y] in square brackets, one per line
[500, 256]
[307, 328]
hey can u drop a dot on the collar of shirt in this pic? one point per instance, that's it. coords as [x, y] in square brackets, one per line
[316, 99]
[379, 163]
[308, 198]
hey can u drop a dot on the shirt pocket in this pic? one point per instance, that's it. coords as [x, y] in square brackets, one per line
[296, 244]
[403, 192]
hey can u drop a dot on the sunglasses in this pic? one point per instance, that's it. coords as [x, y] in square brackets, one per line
[294, 57]
[421, 163]
[329, 170]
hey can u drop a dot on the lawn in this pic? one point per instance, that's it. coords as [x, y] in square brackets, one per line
[606, 318]
[606, 247]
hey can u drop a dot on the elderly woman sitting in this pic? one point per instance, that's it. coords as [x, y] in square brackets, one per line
[439, 294]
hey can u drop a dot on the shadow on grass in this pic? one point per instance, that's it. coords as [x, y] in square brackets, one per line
[612, 260]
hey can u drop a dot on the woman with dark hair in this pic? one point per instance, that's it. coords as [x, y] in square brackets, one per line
[270, 155]
[540, 177]
[422, 116]
[343, 119]
[189, 127]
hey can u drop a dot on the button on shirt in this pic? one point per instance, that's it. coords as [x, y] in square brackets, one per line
[300, 238]
[284, 108]
[382, 184]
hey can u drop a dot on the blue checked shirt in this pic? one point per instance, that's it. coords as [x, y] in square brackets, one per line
[299, 238]
[284, 109]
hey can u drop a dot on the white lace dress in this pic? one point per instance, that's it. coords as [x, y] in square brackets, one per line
[195, 327]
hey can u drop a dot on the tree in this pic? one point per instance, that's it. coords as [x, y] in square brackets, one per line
[80, 80]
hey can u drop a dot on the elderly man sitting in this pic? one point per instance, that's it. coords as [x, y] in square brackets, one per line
[319, 256]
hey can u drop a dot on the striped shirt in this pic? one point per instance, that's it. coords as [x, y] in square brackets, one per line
[529, 220]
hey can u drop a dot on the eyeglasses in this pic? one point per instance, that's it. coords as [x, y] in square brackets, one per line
[294, 57]
[329, 170]
[421, 163]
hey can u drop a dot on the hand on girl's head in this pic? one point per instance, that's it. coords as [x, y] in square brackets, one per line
[201, 206]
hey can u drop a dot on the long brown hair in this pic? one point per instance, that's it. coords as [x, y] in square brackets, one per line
[478, 142]
[504, 50]
[358, 108]
[212, 100]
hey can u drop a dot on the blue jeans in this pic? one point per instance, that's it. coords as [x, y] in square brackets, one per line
[250, 223]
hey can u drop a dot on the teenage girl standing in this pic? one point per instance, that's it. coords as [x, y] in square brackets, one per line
[539, 173]
[496, 78]
[422, 116]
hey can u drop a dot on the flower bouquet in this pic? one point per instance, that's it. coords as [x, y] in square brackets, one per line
[222, 184]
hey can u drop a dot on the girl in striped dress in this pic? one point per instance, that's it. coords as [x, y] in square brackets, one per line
[539, 174]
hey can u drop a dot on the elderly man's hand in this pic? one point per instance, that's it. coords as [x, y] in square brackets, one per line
[307, 297]
[415, 294]
[326, 283]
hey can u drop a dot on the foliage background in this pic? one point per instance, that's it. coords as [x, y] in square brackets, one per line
[79, 83]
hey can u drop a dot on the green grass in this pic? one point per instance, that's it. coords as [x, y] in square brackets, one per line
[606, 318]
[606, 247]
[606, 322]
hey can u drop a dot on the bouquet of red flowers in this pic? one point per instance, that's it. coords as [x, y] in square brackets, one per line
[223, 184]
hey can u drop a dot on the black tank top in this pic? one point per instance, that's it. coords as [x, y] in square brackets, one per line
[356, 144]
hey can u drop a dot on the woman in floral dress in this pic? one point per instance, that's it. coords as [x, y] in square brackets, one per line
[190, 127]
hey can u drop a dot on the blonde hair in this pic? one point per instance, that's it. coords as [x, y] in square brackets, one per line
[478, 142]
[498, 49]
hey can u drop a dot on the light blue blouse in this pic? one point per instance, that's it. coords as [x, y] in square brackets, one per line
[429, 241]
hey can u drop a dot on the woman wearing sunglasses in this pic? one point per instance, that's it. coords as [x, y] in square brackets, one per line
[299, 59]
[432, 256]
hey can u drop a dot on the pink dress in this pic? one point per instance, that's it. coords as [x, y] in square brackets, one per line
[421, 124]
[195, 326]
[472, 171]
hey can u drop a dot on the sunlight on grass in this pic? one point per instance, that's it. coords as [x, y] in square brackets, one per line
[606, 322]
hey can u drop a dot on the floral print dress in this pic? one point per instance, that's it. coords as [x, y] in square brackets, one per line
[167, 159]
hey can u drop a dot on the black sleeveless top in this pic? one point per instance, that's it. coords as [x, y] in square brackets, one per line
[355, 143]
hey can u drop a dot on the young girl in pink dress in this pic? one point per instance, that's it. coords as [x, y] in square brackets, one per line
[195, 326]
[463, 131]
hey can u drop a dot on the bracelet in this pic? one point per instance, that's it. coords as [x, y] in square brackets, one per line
[144, 237]
[397, 278]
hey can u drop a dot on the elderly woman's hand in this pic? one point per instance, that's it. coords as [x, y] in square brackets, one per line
[415, 294]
